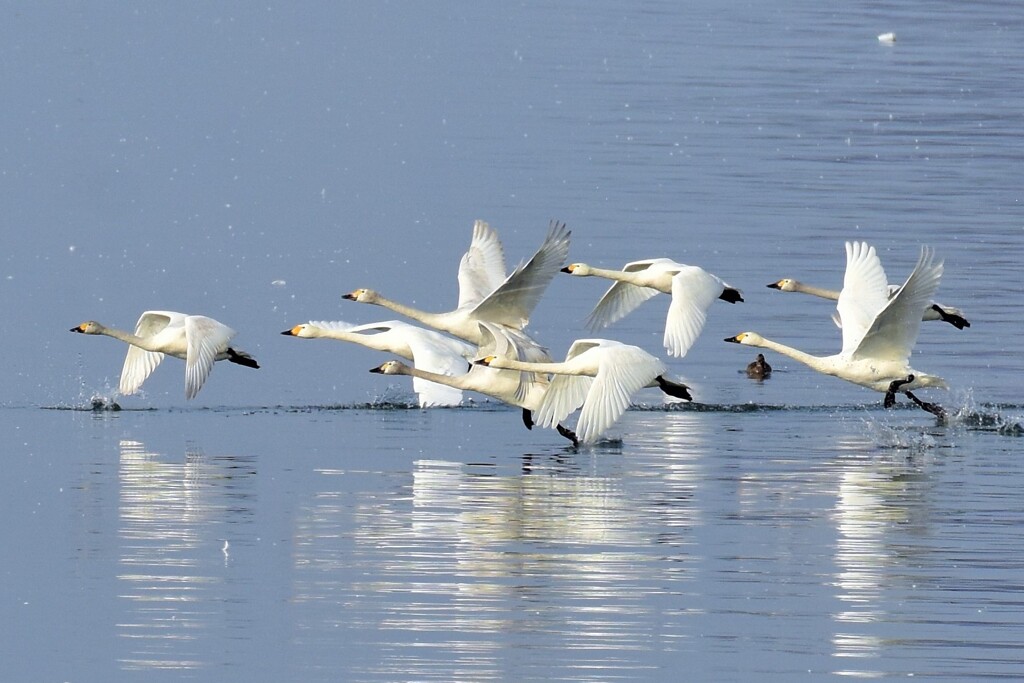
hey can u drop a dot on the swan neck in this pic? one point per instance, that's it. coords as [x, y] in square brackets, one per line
[126, 337]
[814, 362]
[526, 366]
[424, 317]
[817, 291]
[620, 275]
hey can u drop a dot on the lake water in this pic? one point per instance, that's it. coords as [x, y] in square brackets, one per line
[302, 522]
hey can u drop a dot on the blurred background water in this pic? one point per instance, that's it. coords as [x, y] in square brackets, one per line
[255, 163]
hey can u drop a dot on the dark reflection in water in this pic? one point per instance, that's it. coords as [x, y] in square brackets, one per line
[174, 543]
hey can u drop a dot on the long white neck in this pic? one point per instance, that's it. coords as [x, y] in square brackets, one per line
[439, 321]
[128, 337]
[502, 386]
[456, 381]
[620, 275]
[819, 363]
[816, 291]
[525, 366]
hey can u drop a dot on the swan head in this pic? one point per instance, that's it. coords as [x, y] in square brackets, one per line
[299, 331]
[362, 295]
[486, 360]
[785, 285]
[748, 338]
[88, 327]
[392, 367]
[579, 269]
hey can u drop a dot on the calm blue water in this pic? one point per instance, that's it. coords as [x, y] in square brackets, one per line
[300, 523]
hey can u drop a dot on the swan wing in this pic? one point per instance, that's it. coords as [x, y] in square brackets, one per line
[621, 299]
[623, 371]
[563, 396]
[435, 355]
[894, 330]
[205, 339]
[334, 325]
[512, 302]
[503, 341]
[482, 268]
[139, 363]
[152, 323]
[567, 392]
[693, 292]
[865, 293]
[432, 394]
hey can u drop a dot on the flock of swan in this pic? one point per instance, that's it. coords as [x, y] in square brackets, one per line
[481, 345]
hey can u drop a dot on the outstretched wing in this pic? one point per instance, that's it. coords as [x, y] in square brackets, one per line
[482, 268]
[865, 293]
[513, 301]
[205, 339]
[623, 371]
[894, 330]
[139, 363]
[693, 291]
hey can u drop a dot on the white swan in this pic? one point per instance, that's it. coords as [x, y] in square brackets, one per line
[428, 349]
[601, 375]
[510, 303]
[693, 290]
[878, 332]
[934, 311]
[523, 390]
[199, 340]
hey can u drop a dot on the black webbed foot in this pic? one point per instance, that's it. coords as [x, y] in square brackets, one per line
[894, 386]
[933, 408]
[569, 434]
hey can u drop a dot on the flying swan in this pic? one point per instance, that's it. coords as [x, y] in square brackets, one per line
[198, 340]
[520, 389]
[878, 331]
[427, 349]
[509, 302]
[934, 311]
[601, 375]
[693, 290]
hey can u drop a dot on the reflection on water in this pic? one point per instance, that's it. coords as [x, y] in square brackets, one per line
[173, 533]
[470, 557]
[874, 498]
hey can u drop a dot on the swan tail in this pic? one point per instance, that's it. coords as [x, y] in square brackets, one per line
[951, 316]
[732, 295]
[242, 358]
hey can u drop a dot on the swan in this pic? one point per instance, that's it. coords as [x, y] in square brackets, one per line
[693, 289]
[523, 390]
[759, 369]
[509, 304]
[601, 375]
[198, 340]
[428, 349]
[934, 311]
[878, 331]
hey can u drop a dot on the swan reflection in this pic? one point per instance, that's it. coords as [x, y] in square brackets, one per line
[173, 551]
[873, 498]
[471, 556]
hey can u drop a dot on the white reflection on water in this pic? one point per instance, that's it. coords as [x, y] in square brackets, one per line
[874, 496]
[475, 564]
[169, 513]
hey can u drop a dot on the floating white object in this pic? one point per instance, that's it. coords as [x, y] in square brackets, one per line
[888, 38]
